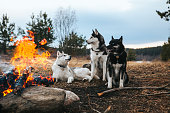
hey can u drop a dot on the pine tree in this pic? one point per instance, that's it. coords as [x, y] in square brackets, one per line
[6, 31]
[74, 45]
[166, 14]
[42, 28]
[131, 55]
[165, 53]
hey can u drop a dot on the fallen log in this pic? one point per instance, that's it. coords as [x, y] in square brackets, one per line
[132, 88]
[37, 99]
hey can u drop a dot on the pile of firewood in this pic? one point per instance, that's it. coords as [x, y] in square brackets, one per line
[12, 80]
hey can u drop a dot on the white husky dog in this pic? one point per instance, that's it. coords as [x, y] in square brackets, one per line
[98, 55]
[61, 70]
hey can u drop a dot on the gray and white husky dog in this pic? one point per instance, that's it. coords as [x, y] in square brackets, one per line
[61, 70]
[98, 55]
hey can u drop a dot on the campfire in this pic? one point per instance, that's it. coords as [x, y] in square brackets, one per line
[16, 92]
[25, 58]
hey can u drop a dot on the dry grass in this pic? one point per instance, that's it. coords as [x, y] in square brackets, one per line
[144, 68]
[78, 61]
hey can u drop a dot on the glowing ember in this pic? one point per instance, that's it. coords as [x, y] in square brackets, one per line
[49, 29]
[43, 42]
[31, 34]
[7, 91]
[11, 39]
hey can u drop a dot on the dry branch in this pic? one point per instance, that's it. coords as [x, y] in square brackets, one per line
[108, 109]
[155, 94]
[132, 88]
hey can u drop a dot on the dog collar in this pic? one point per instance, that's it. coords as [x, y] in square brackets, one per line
[61, 66]
[95, 50]
[118, 55]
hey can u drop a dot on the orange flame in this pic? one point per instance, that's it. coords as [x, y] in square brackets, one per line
[43, 42]
[26, 55]
[30, 78]
[12, 39]
[31, 34]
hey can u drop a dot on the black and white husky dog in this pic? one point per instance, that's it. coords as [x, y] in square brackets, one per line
[116, 63]
[98, 55]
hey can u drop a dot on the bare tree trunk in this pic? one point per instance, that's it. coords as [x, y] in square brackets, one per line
[4, 47]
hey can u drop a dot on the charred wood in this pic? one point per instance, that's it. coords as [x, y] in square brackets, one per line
[13, 81]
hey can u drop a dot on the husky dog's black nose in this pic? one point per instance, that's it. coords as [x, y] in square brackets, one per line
[87, 42]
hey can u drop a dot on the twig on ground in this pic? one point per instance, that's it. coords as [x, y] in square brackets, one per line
[133, 88]
[154, 94]
[91, 106]
[108, 109]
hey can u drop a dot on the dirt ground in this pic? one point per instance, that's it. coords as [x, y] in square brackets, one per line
[147, 74]
[125, 101]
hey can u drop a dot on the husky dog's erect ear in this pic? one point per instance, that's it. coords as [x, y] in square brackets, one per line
[102, 40]
[121, 38]
[112, 38]
[93, 31]
[62, 52]
[96, 32]
[58, 53]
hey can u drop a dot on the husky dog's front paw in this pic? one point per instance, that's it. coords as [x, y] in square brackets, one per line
[104, 79]
[121, 84]
[109, 83]
[70, 80]
[109, 86]
[96, 77]
[90, 79]
[84, 79]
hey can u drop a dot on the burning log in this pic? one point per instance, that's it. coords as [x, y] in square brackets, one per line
[3, 84]
[20, 83]
[7, 82]
[44, 80]
[13, 82]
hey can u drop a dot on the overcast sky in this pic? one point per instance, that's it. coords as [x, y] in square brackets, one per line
[136, 20]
